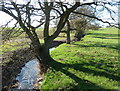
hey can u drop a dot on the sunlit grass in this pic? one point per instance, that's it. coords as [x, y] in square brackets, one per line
[88, 64]
[11, 46]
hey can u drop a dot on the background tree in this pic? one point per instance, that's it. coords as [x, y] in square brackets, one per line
[93, 26]
[75, 22]
[80, 22]
[80, 26]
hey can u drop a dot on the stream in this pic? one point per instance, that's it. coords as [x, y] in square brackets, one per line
[29, 74]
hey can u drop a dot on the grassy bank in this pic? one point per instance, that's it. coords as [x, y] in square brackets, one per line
[88, 64]
[23, 41]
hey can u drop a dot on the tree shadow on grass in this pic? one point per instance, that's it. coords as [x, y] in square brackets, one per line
[95, 73]
[104, 35]
[106, 38]
[98, 44]
[99, 66]
[108, 73]
[82, 83]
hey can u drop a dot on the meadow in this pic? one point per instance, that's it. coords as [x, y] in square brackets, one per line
[22, 41]
[92, 63]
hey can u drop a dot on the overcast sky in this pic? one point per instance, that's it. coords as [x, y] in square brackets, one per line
[104, 15]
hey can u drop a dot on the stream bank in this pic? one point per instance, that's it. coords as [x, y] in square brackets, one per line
[29, 76]
[12, 63]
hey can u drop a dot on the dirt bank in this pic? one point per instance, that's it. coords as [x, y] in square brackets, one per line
[57, 43]
[12, 63]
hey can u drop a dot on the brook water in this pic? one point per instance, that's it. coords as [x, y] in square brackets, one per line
[29, 74]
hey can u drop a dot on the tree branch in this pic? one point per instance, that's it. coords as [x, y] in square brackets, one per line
[93, 17]
[63, 19]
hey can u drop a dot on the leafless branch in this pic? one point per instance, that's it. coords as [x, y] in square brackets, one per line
[94, 18]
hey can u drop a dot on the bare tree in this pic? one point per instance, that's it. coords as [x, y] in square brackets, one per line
[23, 14]
[44, 12]
[80, 25]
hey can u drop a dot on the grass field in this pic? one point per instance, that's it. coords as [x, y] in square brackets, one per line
[88, 64]
[23, 41]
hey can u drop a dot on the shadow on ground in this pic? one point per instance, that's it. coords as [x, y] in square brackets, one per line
[99, 44]
[82, 83]
[106, 38]
[104, 35]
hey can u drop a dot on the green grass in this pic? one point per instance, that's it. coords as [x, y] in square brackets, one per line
[23, 41]
[14, 44]
[88, 64]
[7, 47]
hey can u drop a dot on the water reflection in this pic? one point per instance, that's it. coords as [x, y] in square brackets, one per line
[28, 75]
[51, 49]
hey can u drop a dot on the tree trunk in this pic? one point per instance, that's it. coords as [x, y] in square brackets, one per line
[78, 36]
[43, 55]
[68, 32]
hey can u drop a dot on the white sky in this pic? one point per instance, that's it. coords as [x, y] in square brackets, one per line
[104, 15]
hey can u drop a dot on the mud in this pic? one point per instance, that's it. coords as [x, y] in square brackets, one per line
[13, 62]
